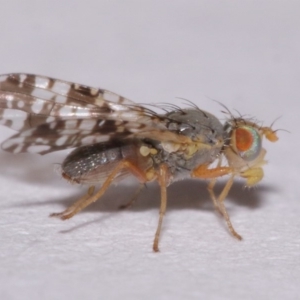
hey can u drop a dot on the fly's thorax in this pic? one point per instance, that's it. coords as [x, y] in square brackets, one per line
[205, 140]
[196, 124]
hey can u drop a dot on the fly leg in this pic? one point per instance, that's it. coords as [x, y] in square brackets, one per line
[133, 198]
[205, 173]
[80, 201]
[163, 182]
[210, 187]
[220, 202]
[212, 195]
[91, 197]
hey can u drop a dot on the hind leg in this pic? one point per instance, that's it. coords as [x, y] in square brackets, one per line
[91, 197]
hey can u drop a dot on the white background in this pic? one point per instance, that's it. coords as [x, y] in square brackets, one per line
[245, 54]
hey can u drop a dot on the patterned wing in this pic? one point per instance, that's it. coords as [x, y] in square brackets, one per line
[63, 134]
[43, 100]
[52, 115]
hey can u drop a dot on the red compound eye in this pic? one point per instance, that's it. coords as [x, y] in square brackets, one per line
[243, 139]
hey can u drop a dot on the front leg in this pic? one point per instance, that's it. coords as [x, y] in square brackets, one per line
[221, 206]
[204, 173]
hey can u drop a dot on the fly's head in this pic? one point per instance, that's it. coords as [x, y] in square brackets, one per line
[243, 148]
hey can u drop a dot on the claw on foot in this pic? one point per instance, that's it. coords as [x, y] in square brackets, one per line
[63, 215]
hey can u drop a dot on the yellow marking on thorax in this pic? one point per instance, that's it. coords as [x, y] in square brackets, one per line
[145, 151]
[188, 149]
[171, 146]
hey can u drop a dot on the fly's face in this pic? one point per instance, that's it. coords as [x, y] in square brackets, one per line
[244, 151]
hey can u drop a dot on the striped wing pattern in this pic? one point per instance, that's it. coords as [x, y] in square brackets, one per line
[51, 114]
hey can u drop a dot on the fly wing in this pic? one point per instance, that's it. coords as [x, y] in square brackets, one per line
[63, 134]
[52, 114]
[43, 100]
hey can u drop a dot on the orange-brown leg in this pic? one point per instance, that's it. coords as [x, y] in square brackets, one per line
[163, 182]
[80, 201]
[134, 197]
[210, 188]
[211, 192]
[221, 206]
[205, 173]
[90, 198]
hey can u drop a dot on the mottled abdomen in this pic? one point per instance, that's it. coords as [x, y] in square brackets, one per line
[92, 164]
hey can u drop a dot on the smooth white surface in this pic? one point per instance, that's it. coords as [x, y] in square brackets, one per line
[245, 54]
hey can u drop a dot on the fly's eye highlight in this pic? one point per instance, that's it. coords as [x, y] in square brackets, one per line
[247, 142]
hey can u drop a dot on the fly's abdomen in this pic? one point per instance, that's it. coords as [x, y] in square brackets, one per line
[92, 164]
